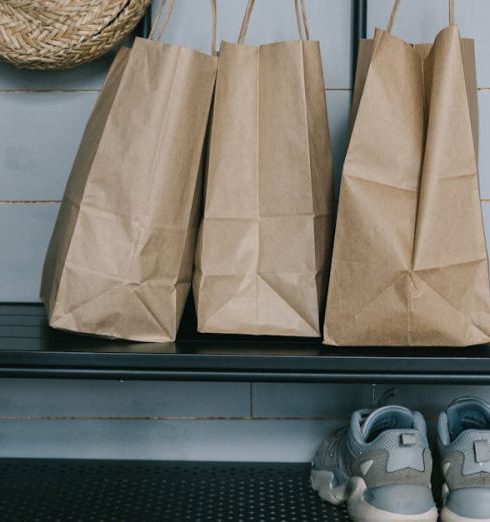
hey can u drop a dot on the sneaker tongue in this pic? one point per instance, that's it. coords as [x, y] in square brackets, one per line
[387, 418]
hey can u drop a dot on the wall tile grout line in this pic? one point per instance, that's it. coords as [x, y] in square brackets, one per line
[169, 418]
[70, 91]
[31, 202]
[47, 91]
[59, 201]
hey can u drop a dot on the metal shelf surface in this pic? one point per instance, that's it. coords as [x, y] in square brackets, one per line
[30, 348]
[129, 491]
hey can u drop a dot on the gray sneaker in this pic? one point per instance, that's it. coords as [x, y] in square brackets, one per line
[464, 444]
[381, 466]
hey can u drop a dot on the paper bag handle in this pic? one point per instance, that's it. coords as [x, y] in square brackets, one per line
[301, 18]
[170, 10]
[394, 12]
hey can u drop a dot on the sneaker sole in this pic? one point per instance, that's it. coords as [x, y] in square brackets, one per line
[448, 516]
[352, 492]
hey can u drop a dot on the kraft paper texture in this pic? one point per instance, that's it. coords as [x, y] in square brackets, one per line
[410, 264]
[264, 244]
[120, 259]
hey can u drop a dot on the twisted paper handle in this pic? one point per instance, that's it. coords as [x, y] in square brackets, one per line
[301, 18]
[396, 7]
[170, 10]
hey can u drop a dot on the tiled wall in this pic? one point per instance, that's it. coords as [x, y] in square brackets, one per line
[43, 116]
[187, 421]
[42, 119]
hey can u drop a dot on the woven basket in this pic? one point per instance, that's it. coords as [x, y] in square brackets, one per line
[59, 34]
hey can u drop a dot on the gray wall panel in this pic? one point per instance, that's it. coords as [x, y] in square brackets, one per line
[272, 21]
[338, 103]
[208, 440]
[86, 77]
[81, 398]
[484, 166]
[329, 401]
[39, 137]
[25, 231]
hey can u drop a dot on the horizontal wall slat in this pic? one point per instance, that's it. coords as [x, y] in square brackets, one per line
[24, 233]
[37, 166]
[432, 400]
[472, 17]
[268, 440]
[51, 182]
[484, 166]
[208, 440]
[86, 77]
[338, 401]
[73, 398]
[39, 136]
[333, 401]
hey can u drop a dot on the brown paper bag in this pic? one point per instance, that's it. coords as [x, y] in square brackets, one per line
[264, 243]
[410, 262]
[120, 259]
